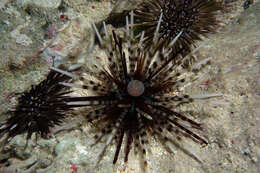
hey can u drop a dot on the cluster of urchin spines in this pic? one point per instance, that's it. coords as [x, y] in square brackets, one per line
[38, 109]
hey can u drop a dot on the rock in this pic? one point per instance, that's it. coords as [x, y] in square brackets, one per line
[120, 10]
[43, 3]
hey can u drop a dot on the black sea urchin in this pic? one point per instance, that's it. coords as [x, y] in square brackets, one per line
[195, 18]
[38, 109]
[136, 95]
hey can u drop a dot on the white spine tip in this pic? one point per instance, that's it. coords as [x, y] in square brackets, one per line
[155, 38]
[127, 25]
[132, 23]
[75, 67]
[175, 39]
[83, 103]
[70, 85]
[64, 72]
[98, 35]
[206, 96]
[225, 103]
[105, 29]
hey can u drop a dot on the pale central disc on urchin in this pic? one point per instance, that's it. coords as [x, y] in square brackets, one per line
[135, 88]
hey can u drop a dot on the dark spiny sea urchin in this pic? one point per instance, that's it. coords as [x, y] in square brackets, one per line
[39, 109]
[195, 18]
[136, 95]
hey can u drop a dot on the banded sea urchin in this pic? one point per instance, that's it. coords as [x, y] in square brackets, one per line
[39, 109]
[136, 95]
[195, 18]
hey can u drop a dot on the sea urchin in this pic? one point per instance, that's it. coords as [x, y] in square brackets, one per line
[136, 95]
[38, 109]
[195, 18]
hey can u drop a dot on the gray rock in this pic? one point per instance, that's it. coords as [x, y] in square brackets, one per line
[120, 10]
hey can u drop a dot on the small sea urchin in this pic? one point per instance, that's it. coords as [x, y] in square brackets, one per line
[136, 95]
[195, 18]
[38, 109]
